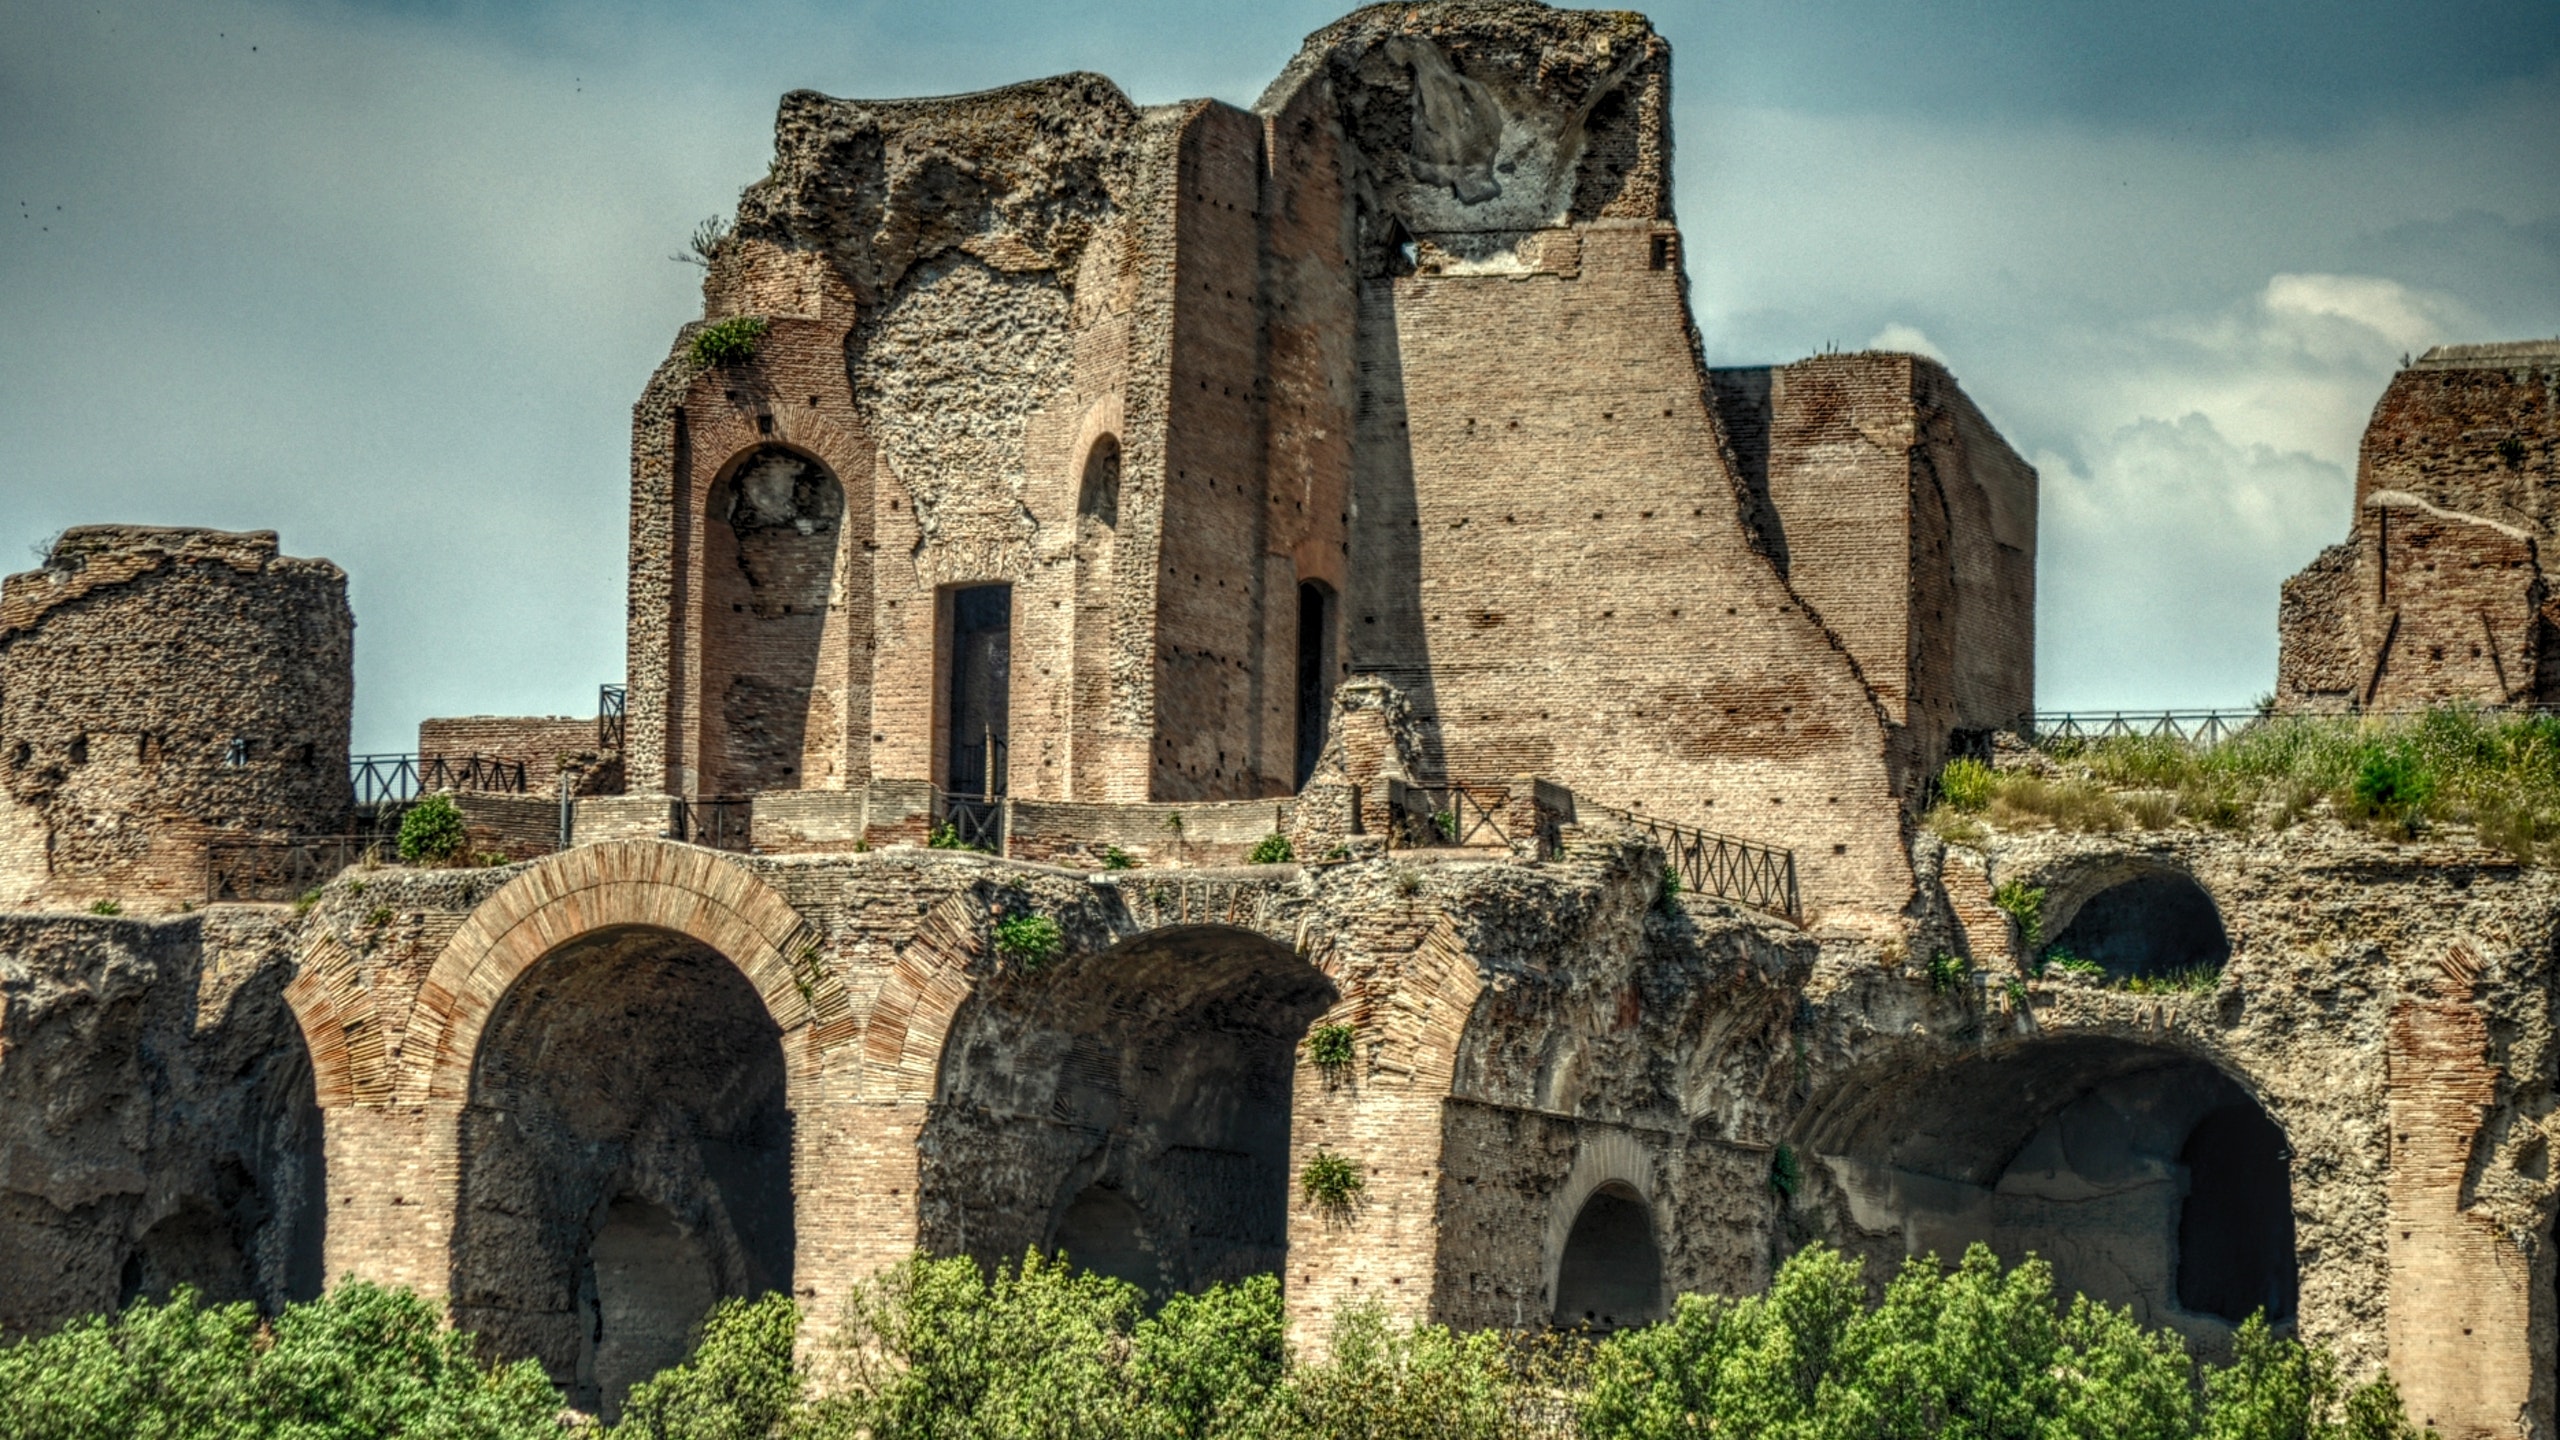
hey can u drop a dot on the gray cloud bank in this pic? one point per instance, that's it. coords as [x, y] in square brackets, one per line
[389, 281]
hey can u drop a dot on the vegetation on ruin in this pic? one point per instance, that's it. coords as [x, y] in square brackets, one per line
[946, 1350]
[1947, 973]
[1271, 849]
[1329, 1047]
[1028, 940]
[106, 907]
[1330, 1180]
[1670, 892]
[728, 342]
[431, 833]
[2024, 904]
[2399, 777]
[1786, 1173]
[1115, 858]
[946, 836]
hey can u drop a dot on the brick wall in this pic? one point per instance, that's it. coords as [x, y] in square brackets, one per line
[540, 741]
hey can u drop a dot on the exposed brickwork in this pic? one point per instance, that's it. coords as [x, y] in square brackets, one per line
[159, 689]
[2439, 593]
[543, 742]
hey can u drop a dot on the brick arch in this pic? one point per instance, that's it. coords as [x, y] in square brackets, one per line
[655, 884]
[1601, 1158]
[341, 1025]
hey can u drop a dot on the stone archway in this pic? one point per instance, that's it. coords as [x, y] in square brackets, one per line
[1130, 1106]
[1609, 1274]
[2147, 1175]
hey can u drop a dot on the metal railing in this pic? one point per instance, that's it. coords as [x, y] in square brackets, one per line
[2193, 727]
[721, 822]
[1725, 866]
[973, 822]
[398, 779]
[1452, 814]
[282, 869]
[613, 704]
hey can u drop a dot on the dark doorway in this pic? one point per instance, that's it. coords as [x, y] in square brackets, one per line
[1103, 1232]
[2157, 924]
[2235, 1230]
[1611, 1273]
[1315, 674]
[981, 675]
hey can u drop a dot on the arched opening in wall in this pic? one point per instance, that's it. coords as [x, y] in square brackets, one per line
[1129, 1106]
[1097, 543]
[2158, 923]
[626, 1160]
[978, 668]
[2235, 1228]
[774, 660]
[1610, 1275]
[197, 1246]
[290, 1247]
[1315, 673]
[2147, 1176]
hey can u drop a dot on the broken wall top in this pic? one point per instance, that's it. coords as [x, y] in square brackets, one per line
[2473, 429]
[88, 558]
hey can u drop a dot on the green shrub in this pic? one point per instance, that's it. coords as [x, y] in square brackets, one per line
[1115, 858]
[1271, 849]
[2023, 903]
[1383, 1380]
[946, 836]
[1329, 1047]
[2392, 785]
[1966, 785]
[730, 342]
[432, 833]
[2070, 964]
[2193, 980]
[1030, 941]
[740, 1383]
[1670, 892]
[106, 907]
[1786, 1174]
[1947, 973]
[361, 1362]
[1330, 1180]
[1444, 823]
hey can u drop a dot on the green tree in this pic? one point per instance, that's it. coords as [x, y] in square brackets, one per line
[740, 1383]
[432, 832]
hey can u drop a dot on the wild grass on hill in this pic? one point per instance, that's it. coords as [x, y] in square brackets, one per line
[2396, 776]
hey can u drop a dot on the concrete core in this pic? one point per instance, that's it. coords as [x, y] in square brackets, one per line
[626, 1160]
[1130, 1107]
[1611, 1274]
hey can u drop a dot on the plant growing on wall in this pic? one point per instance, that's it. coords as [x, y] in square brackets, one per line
[946, 836]
[1670, 886]
[1271, 849]
[1330, 1180]
[1966, 785]
[730, 342]
[106, 907]
[1786, 1176]
[1115, 858]
[431, 833]
[1030, 941]
[2023, 903]
[1330, 1047]
[1946, 973]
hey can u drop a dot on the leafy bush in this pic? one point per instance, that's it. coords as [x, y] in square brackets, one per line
[946, 836]
[1115, 858]
[1947, 973]
[1444, 823]
[730, 342]
[1029, 940]
[360, 1363]
[1386, 1381]
[1670, 892]
[1330, 1180]
[1966, 785]
[1329, 1047]
[106, 907]
[740, 1383]
[2023, 903]
[431, 833]
[1271, 849]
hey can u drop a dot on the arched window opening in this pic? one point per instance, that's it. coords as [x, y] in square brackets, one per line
[1129, 1106]
[1098, 499]
[1102, 1232]
[2158, 924]
[643, 1293]
[1610, 1277]
[769, 588]
[1315, 674]
[626, 1160]
[2235, 1228]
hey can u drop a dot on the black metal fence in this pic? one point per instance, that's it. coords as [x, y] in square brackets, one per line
[972, 822]
[1727, 867]
[399, 779]
[1451, 814]
[721, 822]
[284, 869]
[613, 703]
[2193, 727]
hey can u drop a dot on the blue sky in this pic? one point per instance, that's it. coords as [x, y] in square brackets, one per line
[386, 277]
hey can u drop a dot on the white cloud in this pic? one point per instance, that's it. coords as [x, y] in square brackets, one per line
[1910, 338]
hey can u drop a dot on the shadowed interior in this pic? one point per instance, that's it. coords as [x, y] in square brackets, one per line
[626, 1160]
[2146, 1177]
[1611, 1274]
[2154, 924]
[1129, 1106]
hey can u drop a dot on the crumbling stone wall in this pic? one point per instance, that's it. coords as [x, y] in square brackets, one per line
[157, 1116]
[2439, 592]
[545, 743]
[159, 689]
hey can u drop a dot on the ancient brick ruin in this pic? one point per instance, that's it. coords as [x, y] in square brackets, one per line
[1127, 490]
[2439, 592]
